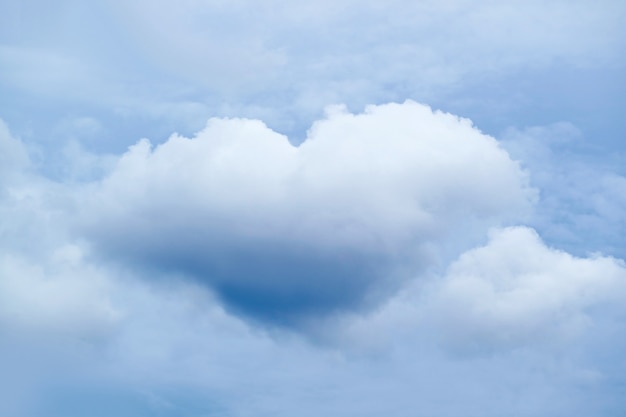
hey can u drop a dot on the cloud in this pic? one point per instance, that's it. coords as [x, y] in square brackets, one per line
[515, 290]
[280, 231]
[425, 44]
[63, 296]
[46, 283]
[13, 155]
[63, 75]
[134, 283]
[581, 203]
[283, 63]
[399, 181]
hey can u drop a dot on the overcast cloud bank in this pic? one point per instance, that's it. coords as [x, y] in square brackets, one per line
[289, 258]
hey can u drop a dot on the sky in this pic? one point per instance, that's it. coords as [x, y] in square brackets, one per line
[346, 208]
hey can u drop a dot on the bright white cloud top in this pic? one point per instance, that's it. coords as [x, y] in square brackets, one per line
[294, 256]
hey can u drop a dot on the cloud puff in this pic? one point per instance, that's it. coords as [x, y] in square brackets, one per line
[64, 295]
[282, 231]
[515, 289]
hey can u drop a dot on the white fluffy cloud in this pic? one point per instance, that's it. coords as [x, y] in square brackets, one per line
[363, 203]
[515, 290]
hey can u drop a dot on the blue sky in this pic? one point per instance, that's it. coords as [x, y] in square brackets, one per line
[345, 208]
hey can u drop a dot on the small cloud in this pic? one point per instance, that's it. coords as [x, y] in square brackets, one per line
[515, 290]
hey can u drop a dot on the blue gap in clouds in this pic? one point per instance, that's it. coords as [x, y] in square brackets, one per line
[591, 99]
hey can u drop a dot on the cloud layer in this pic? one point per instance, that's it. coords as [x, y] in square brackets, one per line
[368, 259]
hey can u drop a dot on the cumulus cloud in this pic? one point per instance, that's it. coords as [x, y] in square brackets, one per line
[337, 222]
[516, 290]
